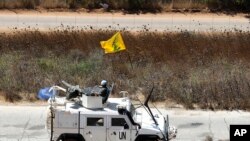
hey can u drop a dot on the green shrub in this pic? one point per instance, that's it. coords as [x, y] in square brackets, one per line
[47, 64]
[82, 67]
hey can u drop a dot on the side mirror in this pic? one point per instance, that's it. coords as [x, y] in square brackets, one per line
[126, 126]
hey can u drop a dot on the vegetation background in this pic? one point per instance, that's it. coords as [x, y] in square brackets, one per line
[209, 70]
[134, 5]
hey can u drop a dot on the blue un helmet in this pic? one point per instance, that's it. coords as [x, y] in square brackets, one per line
[104, 83]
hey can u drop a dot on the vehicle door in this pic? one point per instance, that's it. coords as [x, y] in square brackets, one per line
[95, 128]
[119, 129]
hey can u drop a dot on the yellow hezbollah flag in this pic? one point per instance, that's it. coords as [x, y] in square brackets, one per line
[114, 44]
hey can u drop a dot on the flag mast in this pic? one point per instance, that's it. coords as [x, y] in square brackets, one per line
[115, 44]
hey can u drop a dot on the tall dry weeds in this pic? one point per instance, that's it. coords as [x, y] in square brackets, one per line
[208, 70]
[133, 5]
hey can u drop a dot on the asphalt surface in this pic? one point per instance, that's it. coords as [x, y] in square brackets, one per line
[23, 123]
[159, 22]
[27, 123]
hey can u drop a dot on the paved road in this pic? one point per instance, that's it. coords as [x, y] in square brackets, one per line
[159, 22]
[27, 123]
[197, 125]
[23, 123]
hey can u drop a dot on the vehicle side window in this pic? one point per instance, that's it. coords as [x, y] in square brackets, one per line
[118, 122]
[95, 121]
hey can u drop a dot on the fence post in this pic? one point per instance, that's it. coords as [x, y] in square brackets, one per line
[96, 23]
[213, 22]
[151, 22]
[17, 20]
[172, 20]
[75, 20]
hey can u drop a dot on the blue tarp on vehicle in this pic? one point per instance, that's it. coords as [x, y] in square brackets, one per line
[44, 93]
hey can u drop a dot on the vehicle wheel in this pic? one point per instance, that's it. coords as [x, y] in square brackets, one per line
[70, 140]
[71, 137]
[147, 138]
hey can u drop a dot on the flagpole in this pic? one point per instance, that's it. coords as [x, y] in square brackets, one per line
[115, 44]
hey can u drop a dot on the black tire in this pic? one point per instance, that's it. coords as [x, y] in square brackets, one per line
[147, 138]
[70, 137]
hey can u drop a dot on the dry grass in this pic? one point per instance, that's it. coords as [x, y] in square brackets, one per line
[16, 4]
[133, 5]
[54, 4]
[208, 70]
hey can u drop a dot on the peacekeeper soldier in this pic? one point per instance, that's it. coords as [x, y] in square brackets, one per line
[105, 92]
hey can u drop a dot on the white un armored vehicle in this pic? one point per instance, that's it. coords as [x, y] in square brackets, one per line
[83, 116]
